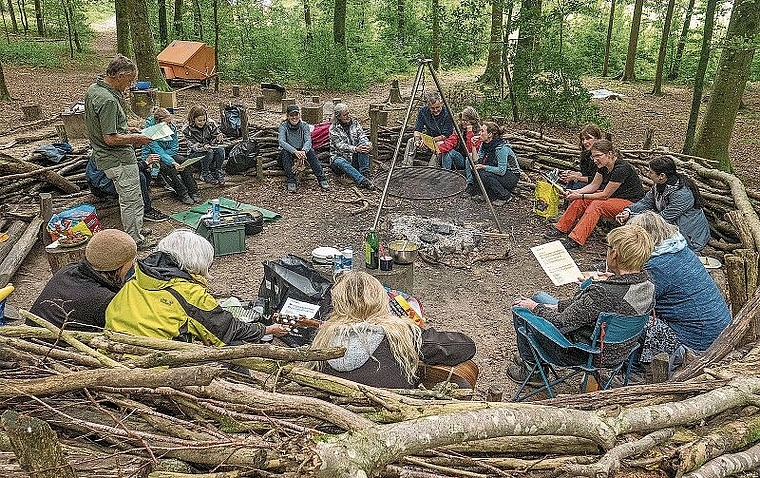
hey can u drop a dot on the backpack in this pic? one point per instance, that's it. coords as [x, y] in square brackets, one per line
[242, 156]
[231, 123]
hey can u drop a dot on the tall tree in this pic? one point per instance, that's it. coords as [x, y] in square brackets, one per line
[436, 47]
[142, 41]
[605, 68]
[178, 18]
[730, 80]
[38, 18]
[67, 17]
[163, 33]
[74, 31]
[123, 44]
[307, 20]
[699, 77]
[630, 60]
[4, 93]
[197, 20]
[22, 15]
[400, 20]
[657, 90]
[492, 74]
[215, 6]
[13, 16]
[529, 39]
[339, 22]
[681, 43]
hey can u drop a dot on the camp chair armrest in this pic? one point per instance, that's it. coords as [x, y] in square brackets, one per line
[542, 326]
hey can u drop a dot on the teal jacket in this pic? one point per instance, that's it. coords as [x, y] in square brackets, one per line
[166, 148]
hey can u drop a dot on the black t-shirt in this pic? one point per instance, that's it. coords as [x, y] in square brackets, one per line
[623, 173]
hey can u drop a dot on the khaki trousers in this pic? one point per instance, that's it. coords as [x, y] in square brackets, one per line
[126, 179]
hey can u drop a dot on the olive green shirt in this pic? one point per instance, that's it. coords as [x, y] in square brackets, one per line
[104, 115]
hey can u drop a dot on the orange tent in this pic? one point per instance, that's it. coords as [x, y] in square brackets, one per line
[188, 61]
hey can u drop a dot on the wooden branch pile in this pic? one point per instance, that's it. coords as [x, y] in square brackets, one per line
[115, 414]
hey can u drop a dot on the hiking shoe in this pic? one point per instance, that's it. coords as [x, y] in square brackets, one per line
[146, 243]
[499, 202]
[478, 198]
[208, 178]
[154, 215]
[569, 244]
[518, 374]
[324, 184]
[472, 190]
[186, 199]
[554, 233]
[366, 184]
[220, 179]
[292, 188]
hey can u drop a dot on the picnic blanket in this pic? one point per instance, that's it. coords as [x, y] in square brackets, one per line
[192, 217]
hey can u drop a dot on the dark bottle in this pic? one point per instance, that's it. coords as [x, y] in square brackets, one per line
[372, 250]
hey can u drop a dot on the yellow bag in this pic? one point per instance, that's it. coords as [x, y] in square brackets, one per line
[546, 202]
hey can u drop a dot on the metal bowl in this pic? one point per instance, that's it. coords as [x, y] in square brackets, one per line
[403, 252]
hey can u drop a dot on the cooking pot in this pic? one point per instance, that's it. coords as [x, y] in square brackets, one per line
[403, 252]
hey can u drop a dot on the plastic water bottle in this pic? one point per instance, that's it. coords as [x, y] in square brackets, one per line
[348, 259]
[337, 263]
[215, 211]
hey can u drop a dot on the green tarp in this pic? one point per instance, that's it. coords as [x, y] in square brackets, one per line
[192, 217]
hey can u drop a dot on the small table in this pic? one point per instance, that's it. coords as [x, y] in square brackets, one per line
[60, 256]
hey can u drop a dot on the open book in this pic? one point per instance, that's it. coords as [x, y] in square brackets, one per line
[429, 143]
[557, 263]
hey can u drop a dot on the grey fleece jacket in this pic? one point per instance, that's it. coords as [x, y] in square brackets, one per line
[294, 138]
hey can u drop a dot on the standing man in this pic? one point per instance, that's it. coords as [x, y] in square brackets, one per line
[349, 147]
[434, 120]
[113, 143]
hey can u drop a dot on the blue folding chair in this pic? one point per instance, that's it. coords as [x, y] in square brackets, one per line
[611, 330]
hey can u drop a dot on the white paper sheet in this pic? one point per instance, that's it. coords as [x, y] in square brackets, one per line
[299, 308]
[557, 263]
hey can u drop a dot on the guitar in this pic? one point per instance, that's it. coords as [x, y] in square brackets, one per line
[294, 321]
[464, 375]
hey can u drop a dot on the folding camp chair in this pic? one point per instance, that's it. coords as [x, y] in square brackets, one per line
[611, 330]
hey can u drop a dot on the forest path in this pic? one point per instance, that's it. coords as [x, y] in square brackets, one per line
[105, 39]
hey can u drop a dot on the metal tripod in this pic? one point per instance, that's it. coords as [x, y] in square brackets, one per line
[418, 79]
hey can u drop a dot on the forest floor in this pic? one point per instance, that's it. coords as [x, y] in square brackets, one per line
[473, 299]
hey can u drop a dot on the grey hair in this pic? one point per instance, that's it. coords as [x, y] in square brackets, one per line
[193, 253]
[119, 66]
[339, 109]
[655, 225]
[433, 97]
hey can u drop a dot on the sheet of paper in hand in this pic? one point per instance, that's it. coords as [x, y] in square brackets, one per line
[429, 143]
[556, 262]
[158, 131]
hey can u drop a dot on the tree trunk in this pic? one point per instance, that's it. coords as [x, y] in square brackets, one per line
[730, 79]
[178, 18]
[629, 74]
[142, 40]
[36, 447]
[492, 74]
[197, 20]
[400, 21]
[67, 17]
[38, 18]
[699, 77]
[307, 20]
[14, 24]
[215, 6]
[74, 27]
[4, 93]
[22, 15]
[436, 39]
[123, 44]
[163, 33]
[657, 90]
[605, 68]
[681, 42]
[339, 23]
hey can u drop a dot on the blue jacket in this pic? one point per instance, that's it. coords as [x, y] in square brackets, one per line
[506, 160]
[687, 298]
[676, 205]
[166, 148]
[440, 125]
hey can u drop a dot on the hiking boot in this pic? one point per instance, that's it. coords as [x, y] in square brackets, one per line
[518, 374]
[220, 179]
[472, 190]
[208, 178]
[186, 199]
[478, 198]
[554, 233]
[366, 184]
[324, 184]
[154, 215]
[569, 244]
[146, 243]
[292, 188]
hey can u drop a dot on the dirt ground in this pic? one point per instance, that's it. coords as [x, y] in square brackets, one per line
[475, 299]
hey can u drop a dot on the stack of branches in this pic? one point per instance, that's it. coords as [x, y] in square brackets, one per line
[118, 410]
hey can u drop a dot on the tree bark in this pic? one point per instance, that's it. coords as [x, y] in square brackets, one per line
[178, 18]
[307, 21]
[674, 70]
[163, 31]
[197, 20]
[492, 74]
[699, 77]
[400, 21]
[339, 23]
[728, 465]
[608, 41]
[657, 90]
[436, 34]
[10, 264]
[728, 87]
[36, 446]
[123, 42]
[12, 12]
[142, 41]
[629, 74]
[69, 28]
[5, 95]
[38, 18]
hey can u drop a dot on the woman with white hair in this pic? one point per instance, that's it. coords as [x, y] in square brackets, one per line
[349, 147]
[169, 299]
[689, 307]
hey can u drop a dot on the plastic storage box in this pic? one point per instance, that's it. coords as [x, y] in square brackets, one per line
[226, 237]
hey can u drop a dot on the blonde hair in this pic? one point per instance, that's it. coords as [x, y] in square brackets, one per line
[360, 301]
[655, 225]
[633, 244]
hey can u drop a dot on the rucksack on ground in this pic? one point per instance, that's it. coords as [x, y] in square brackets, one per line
[242, 156]
[231, 124]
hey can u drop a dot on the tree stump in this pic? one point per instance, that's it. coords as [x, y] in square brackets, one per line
[287, 102]
[272, 95]
[337, 100]
[235, 91]
[399, 278]
[395, 95]
[315, 99]
[61, 256]
[259, 103]
[31, 112]
[312, 114]
[143, 102]
[36, 447]
[74, 125]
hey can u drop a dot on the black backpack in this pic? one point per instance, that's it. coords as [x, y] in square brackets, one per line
[242, 156]
[231, 125]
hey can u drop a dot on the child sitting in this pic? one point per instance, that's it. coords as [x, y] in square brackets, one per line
[203, 138]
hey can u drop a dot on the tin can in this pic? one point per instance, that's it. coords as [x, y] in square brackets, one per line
[348, 259]
[337, 263]
[215, 210]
